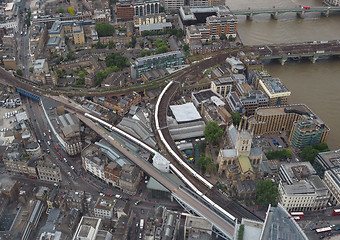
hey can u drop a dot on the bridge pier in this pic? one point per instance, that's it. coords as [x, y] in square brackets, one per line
[282, 61]
[301, 14]
[313, 59]
[325, 14]
[250, 16]
[274, 15]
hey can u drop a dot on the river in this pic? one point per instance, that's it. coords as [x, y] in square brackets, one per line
[317, 85]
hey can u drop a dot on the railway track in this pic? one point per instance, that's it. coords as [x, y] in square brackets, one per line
[232, 207]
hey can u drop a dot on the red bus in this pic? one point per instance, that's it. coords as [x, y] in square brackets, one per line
[322, 230]
[306, 7]
[336, 212]
[297, 214]
[56, 148]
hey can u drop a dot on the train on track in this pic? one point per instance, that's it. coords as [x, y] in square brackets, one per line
[172, 167]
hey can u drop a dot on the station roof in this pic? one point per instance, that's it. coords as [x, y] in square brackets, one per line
[185, 112]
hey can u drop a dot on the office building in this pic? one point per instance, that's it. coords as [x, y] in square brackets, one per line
[78, 35]
[125, 11]
[65, 126]
[276, 91]
[278, 119]
[149, 19]
[254, 99]
[304, 133]
[104, 208]
[158, 61]
[327, 166]
[300, 189]
[172, 5]
[198, 15]
[89, 228]
[222, 86]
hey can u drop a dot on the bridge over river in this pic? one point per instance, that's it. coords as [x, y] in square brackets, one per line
[274, 12]
[311, 50]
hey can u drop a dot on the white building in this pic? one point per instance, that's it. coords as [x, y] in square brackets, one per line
[161, 163]
[94, 161]
[89, 229]
[104, 208]
[300, 189]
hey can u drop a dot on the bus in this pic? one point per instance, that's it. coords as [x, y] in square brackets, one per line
[336, 212]
[297, 214]
[141, 224]
[322, 230]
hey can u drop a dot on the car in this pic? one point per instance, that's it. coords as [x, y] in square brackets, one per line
[48, 142]
[65, 160]
[313, 228]
[39, 141]
[332, 226]
[142, 211]
[69, 173]
[102, 194]
[44, 134]
[109, 194]
[72, 167]
[49, 130]
[118, 196]
[56, 184]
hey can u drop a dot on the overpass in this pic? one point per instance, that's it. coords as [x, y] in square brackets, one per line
[274, 12]
[312, 50]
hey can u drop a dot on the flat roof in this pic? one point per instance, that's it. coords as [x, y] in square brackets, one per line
[154, 26]
[185, 113]
[331, 158]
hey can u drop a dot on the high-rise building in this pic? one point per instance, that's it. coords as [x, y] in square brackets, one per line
[304, 133]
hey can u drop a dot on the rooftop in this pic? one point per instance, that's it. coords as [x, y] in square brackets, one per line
[280, 225]
[245, 164]
[331, 159]
[154, 26]
[185, 112]
[105, 203]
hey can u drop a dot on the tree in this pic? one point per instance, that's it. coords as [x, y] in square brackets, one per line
[162, 49]
[186, 47]
[266, 193]
[141, 43]
[142, 53]
[148, 52]
[223, 37]
[205, 163]
[104, 29]
[31, 69]
[309, 153]
[322, 147]
[213, 133]
[71, 10]
[61, 10]
[179, 33]
[59, 73]
[19, 72]
[116, 59]
[236, 118]
[111, 45]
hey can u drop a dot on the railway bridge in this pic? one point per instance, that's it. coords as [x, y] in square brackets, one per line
[312, 50]
[275, 12]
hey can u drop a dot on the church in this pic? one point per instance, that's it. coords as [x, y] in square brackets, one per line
[240, 162]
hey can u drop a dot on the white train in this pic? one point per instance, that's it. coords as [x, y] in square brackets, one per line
[172, 152]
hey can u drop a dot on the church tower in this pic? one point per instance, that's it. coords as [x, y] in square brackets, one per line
[244, 139]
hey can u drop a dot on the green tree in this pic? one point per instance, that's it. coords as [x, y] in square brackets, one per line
[240, 232]
[111, 45]
[19, 72]
[148, 52]
[31, 69]
[116, 59]
[71, 10]
[212, 133]
[223, 37]
[186, 47]
[162, 49]
[59, 73]
[179, 34]
[61, 10]
[236, 118]
[283, 154]
[142, 53]
[322, 147]
[309, 153]
[141, 43]
[266, 193]
[104, 29]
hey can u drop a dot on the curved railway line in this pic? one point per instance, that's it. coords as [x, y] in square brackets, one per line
[232, 207]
